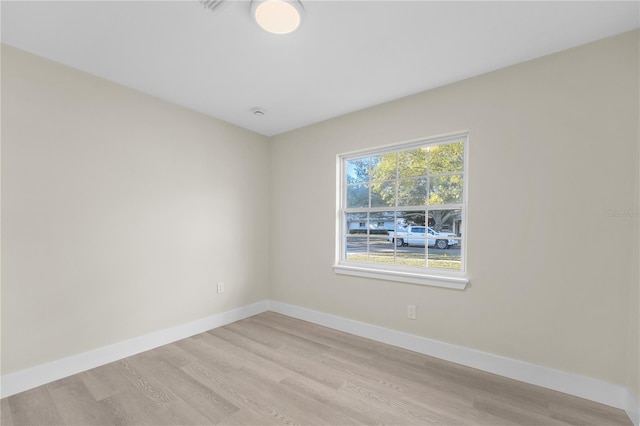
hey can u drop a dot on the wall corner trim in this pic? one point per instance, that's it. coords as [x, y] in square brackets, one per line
[573, 384]
[13, 383]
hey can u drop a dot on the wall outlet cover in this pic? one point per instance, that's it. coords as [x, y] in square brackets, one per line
[411, 311]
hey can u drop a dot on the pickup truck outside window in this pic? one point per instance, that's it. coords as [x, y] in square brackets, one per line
[411, 199]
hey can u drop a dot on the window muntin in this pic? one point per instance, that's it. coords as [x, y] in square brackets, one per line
[416, 191]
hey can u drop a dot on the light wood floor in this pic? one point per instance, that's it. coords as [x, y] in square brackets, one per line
[272, 369]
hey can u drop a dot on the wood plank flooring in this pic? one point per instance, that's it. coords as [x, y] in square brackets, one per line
[271, 369]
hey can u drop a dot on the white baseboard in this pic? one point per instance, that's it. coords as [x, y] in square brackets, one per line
[633, 408]
[573, 384]
[20, 381]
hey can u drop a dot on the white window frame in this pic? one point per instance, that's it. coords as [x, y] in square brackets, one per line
[393, 272]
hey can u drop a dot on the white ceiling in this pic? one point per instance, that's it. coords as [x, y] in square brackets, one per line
[347, 55]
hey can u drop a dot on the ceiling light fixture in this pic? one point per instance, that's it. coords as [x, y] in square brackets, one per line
[277, 16]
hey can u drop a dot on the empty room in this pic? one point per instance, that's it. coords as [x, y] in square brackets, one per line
[305, 212]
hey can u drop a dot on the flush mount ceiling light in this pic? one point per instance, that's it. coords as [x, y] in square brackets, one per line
[277, 16]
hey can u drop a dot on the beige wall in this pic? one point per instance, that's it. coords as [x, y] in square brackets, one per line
[120, 213]
[553, 144]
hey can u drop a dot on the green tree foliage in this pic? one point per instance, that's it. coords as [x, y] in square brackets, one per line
[447, 189]
[429, 175]
[357, 183]
[446, 158]
[358, 170]
[410, 168]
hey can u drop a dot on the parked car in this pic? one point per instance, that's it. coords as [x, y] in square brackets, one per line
[417, 235]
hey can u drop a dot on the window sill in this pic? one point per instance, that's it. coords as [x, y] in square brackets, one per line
[458, 282]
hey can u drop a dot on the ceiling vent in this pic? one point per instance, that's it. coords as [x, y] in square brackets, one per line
[211, 4]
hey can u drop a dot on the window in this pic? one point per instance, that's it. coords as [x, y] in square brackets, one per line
[402, 212]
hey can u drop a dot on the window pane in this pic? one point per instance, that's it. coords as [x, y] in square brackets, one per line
[445, 189]
[358, 170]
[356, 238]
[445, 241]
[384, 167]
[410, 238]
[410, 218]
[411, 255]
[357, 196]
[380, 248]
[412, 163]
[383, 194]
[446, 158]
[356, 223]
[445, 258]
[381, 222]
[446, 221]
[412, 192]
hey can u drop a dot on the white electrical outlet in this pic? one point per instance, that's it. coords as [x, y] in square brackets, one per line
[220, 287]
[411, 311]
